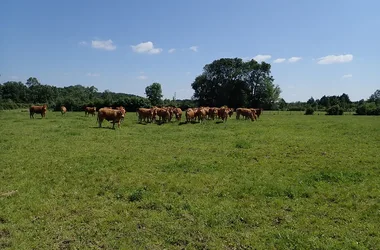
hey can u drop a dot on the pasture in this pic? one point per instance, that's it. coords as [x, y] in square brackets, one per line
[284, 182]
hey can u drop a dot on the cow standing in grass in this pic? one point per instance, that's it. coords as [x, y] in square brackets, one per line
[111, 115]
[38, 110]
[178, 113]
[122, 109]
[63, 110]
[190, 115]
[89, 110]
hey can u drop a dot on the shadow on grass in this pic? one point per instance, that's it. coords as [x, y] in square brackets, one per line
[191, 122]
[104, 127]
[219, 122]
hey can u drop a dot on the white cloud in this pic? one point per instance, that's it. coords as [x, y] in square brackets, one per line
[294, 59]
[106, 45]
[347, 76]
[279, 60]
[142, 77]
[171, 50]
[187, 73]
[194, 48]
[82, 43]
[14, 77]
[261, 58]
[146, 47]
[93, 74]
[330, 59]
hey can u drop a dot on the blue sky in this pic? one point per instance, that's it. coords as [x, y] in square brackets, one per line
[315, 47]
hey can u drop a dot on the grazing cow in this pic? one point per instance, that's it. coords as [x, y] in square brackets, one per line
[63, 110]
[38, 110]
[90, 110]
[111, 115]
[247, 113]
[259, 112]
[230, 112]
[178, 113]
[190, 115]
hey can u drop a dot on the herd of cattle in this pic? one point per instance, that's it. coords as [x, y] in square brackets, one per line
[164, 114]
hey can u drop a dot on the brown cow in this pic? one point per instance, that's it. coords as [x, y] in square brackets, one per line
[178, 113]
[111, 115]
[259, 112]
[90, 110]
[38, 110]
[190, 115]
[63, 110]
[145, 114]
[201, 114]
[122, 109]
[163, 114]
[247, 113]
[212, 113]
[223, 113]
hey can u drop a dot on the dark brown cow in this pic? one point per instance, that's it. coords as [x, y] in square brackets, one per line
[63, 110]
[90, 110]
[111, 115]
[230, 112]
[259, 112]
[38, 110]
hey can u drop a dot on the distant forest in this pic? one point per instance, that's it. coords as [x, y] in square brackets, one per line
[226, 81]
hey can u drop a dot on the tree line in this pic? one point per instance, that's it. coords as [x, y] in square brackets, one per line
[15, 95]
[226, 81]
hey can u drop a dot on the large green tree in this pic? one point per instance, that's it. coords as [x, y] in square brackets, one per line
[154, 93]
[233, 82]
[375, 97]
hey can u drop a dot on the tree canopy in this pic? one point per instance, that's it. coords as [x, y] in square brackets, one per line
[154, 93]
[233, 82]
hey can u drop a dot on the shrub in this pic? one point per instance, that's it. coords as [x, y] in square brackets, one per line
[335, 110]
[309, 111]
[368, 108]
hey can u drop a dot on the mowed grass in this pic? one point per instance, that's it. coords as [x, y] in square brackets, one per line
[284, 182]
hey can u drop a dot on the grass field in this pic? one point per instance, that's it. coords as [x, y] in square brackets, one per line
[284, 182]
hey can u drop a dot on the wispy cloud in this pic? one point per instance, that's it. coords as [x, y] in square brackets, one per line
[82, 43]
[188, 73]
[194, 48]
[279, 60]
[172, 50]
[14, 77]
[347, 76]
[294, 59]
[106, 45]
[146, 47]
[142, 77]
[262, 58]
[93, 74]
[330, 59]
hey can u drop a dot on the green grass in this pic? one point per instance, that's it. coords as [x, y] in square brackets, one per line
[284, 182]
